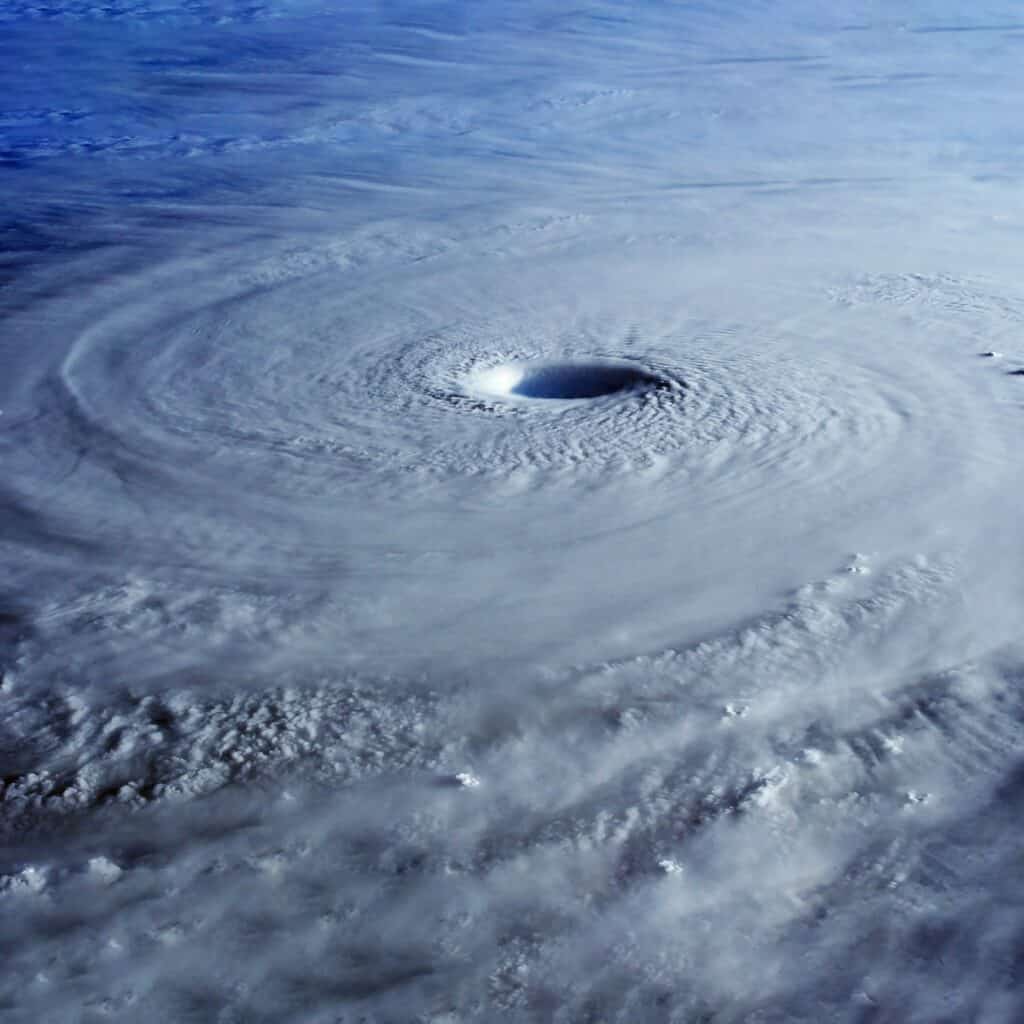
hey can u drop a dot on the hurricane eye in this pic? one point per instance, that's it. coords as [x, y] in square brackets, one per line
[572, 380]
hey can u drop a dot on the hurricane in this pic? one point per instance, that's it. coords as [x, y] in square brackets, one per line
[510, 512]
